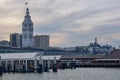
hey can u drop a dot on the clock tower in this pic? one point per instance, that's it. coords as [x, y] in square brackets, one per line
[27, 31]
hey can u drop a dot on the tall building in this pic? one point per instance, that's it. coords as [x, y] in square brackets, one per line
[16, 40]
[27, 31]
[41, 41]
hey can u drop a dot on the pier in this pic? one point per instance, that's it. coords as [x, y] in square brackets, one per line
[108, 60]
[27, 62]
[39, 63]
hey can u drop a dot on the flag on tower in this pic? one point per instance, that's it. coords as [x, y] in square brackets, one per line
[26, 3]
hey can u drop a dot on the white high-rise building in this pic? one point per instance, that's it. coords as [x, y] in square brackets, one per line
[27, 31]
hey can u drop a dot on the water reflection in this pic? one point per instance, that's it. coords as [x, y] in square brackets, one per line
[78, 74]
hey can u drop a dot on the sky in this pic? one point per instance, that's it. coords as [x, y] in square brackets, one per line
[68, 22]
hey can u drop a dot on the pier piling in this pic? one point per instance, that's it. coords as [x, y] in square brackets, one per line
[54, 65]
[40, 66]
[1, 70]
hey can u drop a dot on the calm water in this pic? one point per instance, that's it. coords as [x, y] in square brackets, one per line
[78, 74]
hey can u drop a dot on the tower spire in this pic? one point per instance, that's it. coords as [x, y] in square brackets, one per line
[96, 40]
[27, 31]
[27, 11]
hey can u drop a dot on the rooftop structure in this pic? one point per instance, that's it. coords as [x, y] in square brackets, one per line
[85, 57]
[27, 56]
[115, 54]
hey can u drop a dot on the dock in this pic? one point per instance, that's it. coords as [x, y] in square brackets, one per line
[39, 63]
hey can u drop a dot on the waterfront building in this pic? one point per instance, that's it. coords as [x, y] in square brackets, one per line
[70, 48]
[16, 40]
[18, 62]
[99, 60]
[41, 41]
[26, 50]
[112, 59]
[56, 48]
[27, 31]
[4, 43]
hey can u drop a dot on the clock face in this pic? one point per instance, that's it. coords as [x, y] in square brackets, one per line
[25, 25]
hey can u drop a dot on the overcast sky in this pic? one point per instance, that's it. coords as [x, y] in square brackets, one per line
[68, 22]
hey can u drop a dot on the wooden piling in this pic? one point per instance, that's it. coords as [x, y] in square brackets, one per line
[54, 65]
[40, 66]
[1, 70]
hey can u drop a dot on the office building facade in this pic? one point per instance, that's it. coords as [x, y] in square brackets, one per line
[41, 41]
[16, 40]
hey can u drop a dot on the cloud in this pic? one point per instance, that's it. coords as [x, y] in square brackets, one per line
[68, 22]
